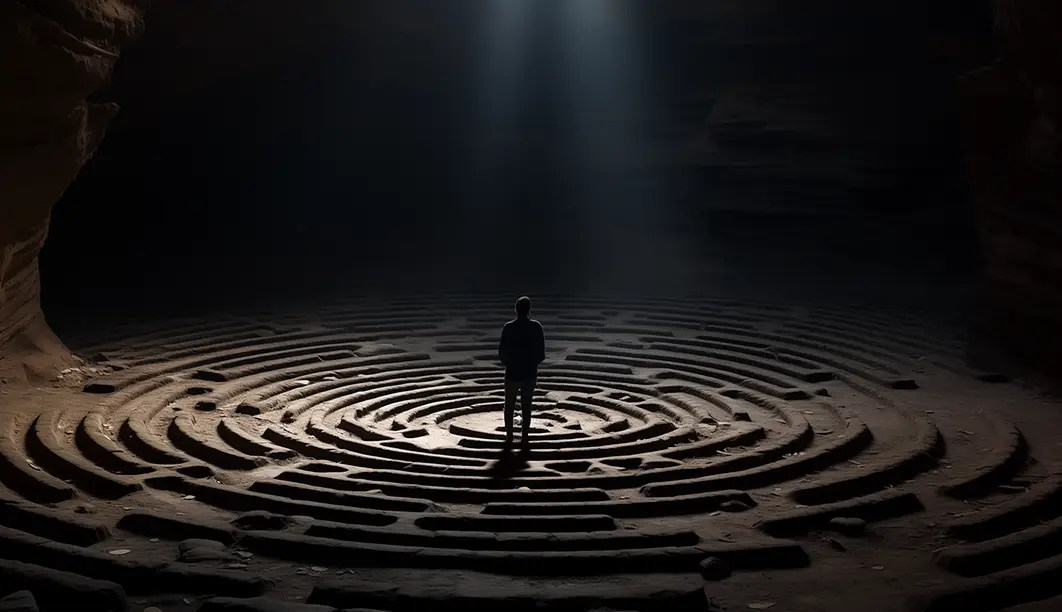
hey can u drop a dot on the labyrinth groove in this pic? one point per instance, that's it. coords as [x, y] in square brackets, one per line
[658, 426]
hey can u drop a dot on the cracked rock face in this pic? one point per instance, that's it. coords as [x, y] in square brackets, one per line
[66, 51]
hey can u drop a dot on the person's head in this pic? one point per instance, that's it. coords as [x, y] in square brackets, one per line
[523, 306]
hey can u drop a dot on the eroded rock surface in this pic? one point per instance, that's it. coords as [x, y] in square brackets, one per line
[1012, 114]
[66, 50]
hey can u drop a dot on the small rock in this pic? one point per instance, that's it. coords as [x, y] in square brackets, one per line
[760, 605]
[119, 552]
[210, 375]
[188, 497]
[19, 601]
[836, 545]
[877, 567]
[86, 509]
[196, 550]
[714, 568]
[733, 506]
[152, 609]
[847, 525]
[154, 540]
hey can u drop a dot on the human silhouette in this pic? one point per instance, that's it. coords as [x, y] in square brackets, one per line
[522, 348]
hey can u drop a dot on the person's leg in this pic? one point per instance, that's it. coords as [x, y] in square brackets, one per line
[527, 391]
[510, 408]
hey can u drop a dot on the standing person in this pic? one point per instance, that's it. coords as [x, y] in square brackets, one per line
[522, 348]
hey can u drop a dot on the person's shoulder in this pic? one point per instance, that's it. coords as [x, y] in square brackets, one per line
[536, 323]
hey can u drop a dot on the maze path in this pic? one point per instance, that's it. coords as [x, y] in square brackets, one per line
[655, 421]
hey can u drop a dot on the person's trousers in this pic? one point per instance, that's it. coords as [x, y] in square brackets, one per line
[526, 390]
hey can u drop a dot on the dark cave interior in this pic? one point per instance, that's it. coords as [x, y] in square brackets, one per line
[384, 155]
[783, 253]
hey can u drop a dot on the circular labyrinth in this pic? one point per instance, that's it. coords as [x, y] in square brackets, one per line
[371, 436]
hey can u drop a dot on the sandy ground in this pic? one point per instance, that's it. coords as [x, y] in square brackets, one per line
[895, 560]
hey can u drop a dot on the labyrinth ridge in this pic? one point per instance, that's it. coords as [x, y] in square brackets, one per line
[370, 435]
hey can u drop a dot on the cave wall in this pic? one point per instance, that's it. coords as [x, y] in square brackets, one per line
[765, 90]
[832, 104]
[833, 107]
[63, 51]
[750, 107]
[1012, 111]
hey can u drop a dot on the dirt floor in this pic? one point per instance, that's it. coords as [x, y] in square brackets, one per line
[352, 455]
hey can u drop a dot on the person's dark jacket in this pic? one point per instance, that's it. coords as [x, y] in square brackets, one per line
[522, 348]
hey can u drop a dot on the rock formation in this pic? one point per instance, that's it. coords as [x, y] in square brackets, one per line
[1012, 113]
[65, 51]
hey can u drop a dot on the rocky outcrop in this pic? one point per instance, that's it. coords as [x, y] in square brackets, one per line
[1012, 112]
[63, 51]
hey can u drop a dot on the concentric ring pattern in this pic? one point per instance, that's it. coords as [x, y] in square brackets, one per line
[380, 424]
